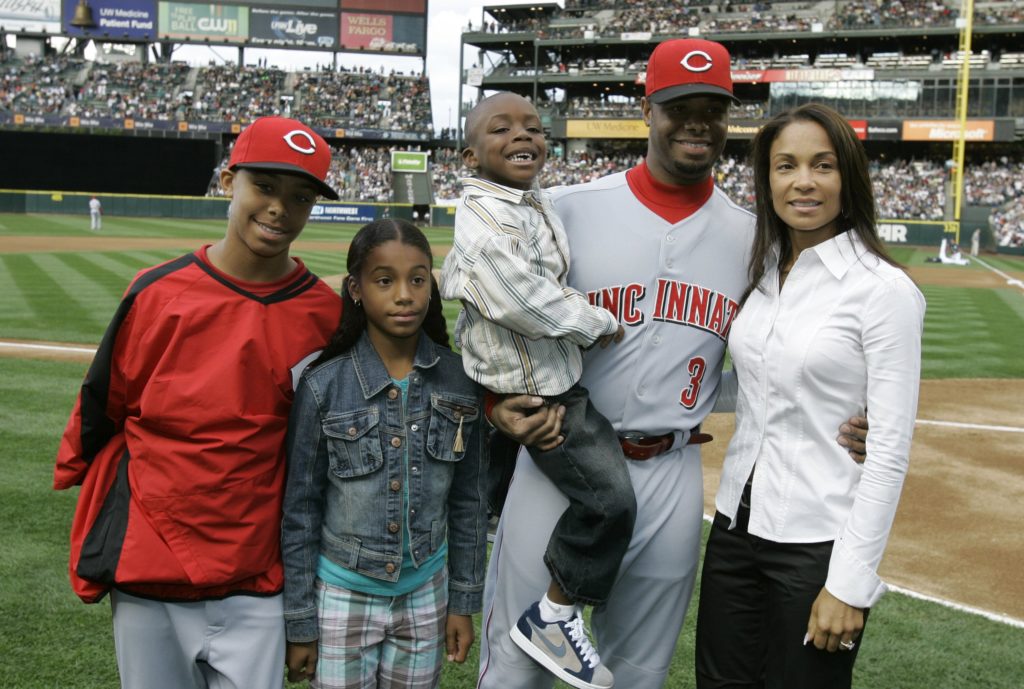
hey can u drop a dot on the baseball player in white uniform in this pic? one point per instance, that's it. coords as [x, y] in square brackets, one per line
[666, 252]
[95, 214]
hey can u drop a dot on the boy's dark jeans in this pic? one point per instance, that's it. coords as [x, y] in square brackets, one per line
[592, 535]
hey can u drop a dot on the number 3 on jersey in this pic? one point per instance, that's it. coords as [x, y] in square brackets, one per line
[696, 368]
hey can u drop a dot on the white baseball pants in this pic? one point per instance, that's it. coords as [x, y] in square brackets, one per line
[636, 632]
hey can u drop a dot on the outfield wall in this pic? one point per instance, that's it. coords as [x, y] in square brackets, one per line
[190, 207]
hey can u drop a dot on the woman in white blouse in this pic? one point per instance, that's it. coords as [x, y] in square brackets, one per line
[830, 327]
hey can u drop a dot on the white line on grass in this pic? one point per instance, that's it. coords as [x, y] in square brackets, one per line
[994, 616]
[972, 426]
[48, 348]
[1009, 280]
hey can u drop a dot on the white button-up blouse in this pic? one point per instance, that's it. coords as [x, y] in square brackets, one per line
[843, 337]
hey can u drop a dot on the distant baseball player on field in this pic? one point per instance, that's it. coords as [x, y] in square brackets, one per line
[666, 253]
[95, 214]
[521, 332]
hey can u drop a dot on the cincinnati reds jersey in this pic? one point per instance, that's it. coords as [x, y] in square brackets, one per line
[177, 437]
[674, 287]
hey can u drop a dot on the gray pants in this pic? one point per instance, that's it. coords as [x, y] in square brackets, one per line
[233, 643]
[637, 629]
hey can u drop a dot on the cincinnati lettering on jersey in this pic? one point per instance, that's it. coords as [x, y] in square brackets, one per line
[621, 300]
[676, 302]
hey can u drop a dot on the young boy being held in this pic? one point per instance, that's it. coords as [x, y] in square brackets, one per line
[177, 437]
[521, 332]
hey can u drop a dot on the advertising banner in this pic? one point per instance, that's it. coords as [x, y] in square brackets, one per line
[305, 4]
[921, 232]
[947, 130]
[383, 33]
[185, 21]
[885, 130]
[127, 20]
[860, 128]
[356, 213]
[280, 27]
[606, 129]
[408, 161]
[761, 76]
[30, 15]
[411, 6]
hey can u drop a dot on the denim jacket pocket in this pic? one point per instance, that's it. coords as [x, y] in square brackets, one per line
[353, 443]
[448, 414]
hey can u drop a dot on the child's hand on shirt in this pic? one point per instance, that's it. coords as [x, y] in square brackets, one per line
[458, 637]
[617, 336]
[301, 660]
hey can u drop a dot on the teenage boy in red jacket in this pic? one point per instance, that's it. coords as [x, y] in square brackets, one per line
[177, 435]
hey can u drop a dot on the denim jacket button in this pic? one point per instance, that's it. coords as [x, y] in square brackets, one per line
[390, 568]
[392, 394]
[395, 485]
[396, 442]
[415, 427]
[393, 527]
[352, 431]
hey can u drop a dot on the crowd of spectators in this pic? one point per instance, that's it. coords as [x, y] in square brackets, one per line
[233, 94]
[1008, 224]
[60, 85]
[131, 89]
[1010, 13]
[660, 17]
[893, 13]
[994, 182]
[364, 98]
[37, 85]
[909, 189]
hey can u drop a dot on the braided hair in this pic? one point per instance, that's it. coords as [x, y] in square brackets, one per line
[353, 318]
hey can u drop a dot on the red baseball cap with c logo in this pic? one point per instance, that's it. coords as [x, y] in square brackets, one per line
[688, 67]
[285, 145]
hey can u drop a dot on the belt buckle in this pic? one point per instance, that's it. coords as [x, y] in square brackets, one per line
[633, 436]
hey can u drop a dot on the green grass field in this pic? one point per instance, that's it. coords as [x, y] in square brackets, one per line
[49, 639]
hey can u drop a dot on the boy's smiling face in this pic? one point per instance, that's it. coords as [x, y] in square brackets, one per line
[268, 209]
[505, 141]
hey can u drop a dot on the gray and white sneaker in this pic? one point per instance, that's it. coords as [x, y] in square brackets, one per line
[562, 648]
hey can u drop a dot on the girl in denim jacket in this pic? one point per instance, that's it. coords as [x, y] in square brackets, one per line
[385, 522]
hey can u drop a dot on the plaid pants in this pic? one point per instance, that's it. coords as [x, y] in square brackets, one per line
[369, 641]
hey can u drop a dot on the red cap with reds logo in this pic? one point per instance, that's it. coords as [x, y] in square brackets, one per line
[688, 67]
[284, 145]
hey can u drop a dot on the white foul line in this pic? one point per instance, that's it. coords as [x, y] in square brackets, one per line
[1009, 280]
[973, 426]
[994, 616]
[48, 348]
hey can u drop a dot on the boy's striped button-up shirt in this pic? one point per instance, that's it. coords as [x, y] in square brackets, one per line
[521, 328]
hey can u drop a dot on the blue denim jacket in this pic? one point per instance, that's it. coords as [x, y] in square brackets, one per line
[346, 440]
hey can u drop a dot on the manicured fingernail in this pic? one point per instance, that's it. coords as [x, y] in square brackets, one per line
[807, 637]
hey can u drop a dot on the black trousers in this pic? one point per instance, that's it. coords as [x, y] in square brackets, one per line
[755, 600]
[591, 537]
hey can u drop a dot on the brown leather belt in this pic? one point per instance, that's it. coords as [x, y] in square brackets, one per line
[642, 447]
